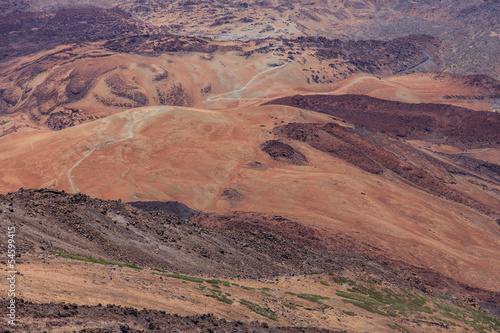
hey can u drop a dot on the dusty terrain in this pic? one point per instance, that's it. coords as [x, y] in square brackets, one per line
[435, 123]
[213, 161]
[92, 297]
[469, 29]
[337, 162]
[93, 62]
[293, 284]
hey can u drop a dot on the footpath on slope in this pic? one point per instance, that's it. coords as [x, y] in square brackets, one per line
[221, 96]
[132, 123]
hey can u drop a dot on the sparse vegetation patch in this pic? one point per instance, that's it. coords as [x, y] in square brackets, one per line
[309, 297]
[259, 309]
[182, 277]
[247, 288]
[94, 260]
[220, 296]
[399, 328]
[385, 302]
[479, 320]
[290, 306]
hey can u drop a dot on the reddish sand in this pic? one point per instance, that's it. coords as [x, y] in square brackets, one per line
[194, 156]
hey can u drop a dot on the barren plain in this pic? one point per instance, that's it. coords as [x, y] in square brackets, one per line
[269, 166]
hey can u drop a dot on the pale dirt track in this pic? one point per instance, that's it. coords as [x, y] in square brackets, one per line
[146, 114]
[193, 156]
[221, 96]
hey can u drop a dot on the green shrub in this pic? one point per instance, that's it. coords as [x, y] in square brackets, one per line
[215, 291]
[159, 270]
[385, 302]
[182, 277]
[479, 320]
[222, 298]
[309, 297]
[247, 288]
[93, 260]
[343, 280]
[259, 309]
[340, 279]
[397, 327]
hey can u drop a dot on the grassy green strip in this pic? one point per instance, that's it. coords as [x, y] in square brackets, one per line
[222, 298]
[259, 309]
[309, 297]
[217, 281]
[361, 298]
[370, 307]
[182, 277]
[247, 288]
[399, 328]
[94, 260]
[159, 270]
[481, 321]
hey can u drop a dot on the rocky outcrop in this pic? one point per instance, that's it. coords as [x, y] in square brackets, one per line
[283, 152]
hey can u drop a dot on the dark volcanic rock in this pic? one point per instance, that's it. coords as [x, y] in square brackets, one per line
[31, 32]
[490, 308]
[438, 123]
[232, 195]
[236, 244]
[283, 152]
[174, 207]
[112, 318]
[347, 252]
[77, 223]
[372, 155]
[373, 56]
[339, 142]
[66, 118]
[8, 7]
[174, 96]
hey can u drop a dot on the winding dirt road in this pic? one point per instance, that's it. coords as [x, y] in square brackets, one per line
[132, 123]
[429, 58]
[221, 96]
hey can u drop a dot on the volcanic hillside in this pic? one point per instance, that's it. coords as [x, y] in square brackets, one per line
[287, 284]
[73, 65]
[247, 160]
[333, 164]
[469, 29]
